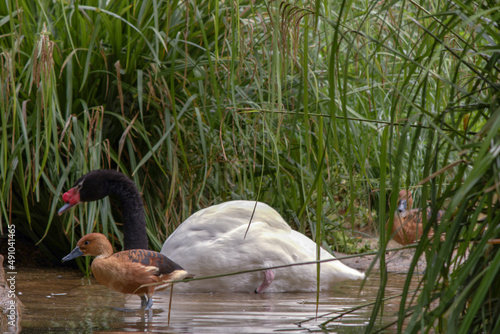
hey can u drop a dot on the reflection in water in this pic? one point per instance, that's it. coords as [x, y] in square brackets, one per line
[60, 300]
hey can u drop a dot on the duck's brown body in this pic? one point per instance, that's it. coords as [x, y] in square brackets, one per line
[408, 228]
[135, 271]
[130, 270]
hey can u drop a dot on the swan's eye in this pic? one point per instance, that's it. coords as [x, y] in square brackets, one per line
[86, 243]
[79, 185]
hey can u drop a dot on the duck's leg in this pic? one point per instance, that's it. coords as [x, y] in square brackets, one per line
[144, 301]
[268, 279]
[149, 302]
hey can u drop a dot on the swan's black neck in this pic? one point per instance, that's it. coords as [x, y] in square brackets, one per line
[134, 221]
[101, 183]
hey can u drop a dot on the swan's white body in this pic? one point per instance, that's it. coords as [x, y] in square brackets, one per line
[212, 242]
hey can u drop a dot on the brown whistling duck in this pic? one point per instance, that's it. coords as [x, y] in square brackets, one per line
[215, 241]
[134, 271]
[407, 228]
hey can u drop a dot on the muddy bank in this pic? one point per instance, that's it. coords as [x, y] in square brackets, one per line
[396, 261]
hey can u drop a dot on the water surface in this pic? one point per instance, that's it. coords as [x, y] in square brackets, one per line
[59, 300]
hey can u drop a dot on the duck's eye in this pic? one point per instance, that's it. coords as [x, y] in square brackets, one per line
[86, 243]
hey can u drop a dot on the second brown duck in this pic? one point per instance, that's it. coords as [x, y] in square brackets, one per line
[408, 228]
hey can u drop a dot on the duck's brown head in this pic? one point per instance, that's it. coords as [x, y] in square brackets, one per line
[405, 200]
[93, 244]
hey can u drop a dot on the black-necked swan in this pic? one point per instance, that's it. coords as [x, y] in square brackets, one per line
[212, 241]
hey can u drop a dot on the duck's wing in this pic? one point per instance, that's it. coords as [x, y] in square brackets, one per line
[416, 215]
[153, 262]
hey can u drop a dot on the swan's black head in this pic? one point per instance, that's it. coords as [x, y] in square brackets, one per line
[101, 183]
[96, 185]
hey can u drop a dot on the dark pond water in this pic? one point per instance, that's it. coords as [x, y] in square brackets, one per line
[61, 301]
